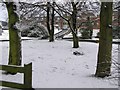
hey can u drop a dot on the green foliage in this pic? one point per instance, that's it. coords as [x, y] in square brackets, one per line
[85, 33]
[116, 32]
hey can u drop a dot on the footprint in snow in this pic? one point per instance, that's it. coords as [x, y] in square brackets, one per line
[54, 69]
[86, 66]
[78, 53]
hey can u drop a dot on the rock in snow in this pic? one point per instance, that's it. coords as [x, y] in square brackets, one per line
[78, 53]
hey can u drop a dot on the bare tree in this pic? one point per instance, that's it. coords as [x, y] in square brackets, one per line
[50, 27]
[44, 12]
[69, 14]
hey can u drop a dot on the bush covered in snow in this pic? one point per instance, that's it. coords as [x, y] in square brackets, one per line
[35, 31]
[116, 32]
[85, 33]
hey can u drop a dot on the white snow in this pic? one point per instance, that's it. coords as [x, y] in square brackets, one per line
[105, 6]
[5, 36]
[55, 66]
[95, 31]
[3, 13]
[56, 30]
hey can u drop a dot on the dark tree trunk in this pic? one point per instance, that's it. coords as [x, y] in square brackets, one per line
[14, 36]
[52, 25]
[50, 30]
[119, 44]
[74, 31]
[48, 18]
[119, 20]
[105, 44]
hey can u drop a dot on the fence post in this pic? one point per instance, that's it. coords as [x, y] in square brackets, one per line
[28, 76]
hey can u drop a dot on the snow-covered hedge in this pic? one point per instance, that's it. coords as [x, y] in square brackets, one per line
[35, 31]
[116, 32]
[85, 33]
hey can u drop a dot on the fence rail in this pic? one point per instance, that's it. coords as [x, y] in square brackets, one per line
[27, 70]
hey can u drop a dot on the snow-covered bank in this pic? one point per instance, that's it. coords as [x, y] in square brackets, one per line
[55, 66]
[5, 36]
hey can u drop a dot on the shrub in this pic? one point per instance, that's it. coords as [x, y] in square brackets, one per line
[116, 32]
[85, 33]
[35, 31]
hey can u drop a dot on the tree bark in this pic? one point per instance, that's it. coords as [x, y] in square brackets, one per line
[52, 25]
[14, 36]
[48, 18]
[50, 30]
[74, 17]
[105, 41]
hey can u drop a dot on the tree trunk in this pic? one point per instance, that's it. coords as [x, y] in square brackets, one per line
[14, 36]
[75, 41]
[105, 44]
[50, 30]
[74, 31]
[119, 20]
[52, 25]
[48, 18]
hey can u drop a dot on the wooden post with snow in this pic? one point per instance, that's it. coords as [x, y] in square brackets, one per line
[28, 76]
[27, 70]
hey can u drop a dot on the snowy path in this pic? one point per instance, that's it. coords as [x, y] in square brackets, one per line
[55, 66]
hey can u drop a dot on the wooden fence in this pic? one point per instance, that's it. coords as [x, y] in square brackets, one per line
[27, 70]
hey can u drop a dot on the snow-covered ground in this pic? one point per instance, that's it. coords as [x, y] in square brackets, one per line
[3, 13]
[55, 66]
[5, 36]
[95, 31]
